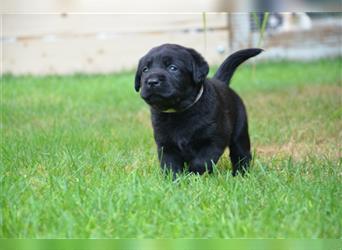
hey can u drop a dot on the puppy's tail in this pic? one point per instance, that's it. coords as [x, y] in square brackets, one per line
[228, 67]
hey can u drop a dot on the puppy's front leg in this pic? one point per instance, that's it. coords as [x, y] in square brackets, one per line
[205, 159]
[170, 161]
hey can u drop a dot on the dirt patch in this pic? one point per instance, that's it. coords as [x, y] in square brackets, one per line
[300, 150]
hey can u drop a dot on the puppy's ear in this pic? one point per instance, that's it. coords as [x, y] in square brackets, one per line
[200, 67]
[137, 84]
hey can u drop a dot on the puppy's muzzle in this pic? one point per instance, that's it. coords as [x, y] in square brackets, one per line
[155, 89]
[153, 82]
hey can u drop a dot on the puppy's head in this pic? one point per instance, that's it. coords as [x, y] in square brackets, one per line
[170, 74]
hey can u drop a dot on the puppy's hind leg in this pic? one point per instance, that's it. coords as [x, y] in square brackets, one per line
[240, 149]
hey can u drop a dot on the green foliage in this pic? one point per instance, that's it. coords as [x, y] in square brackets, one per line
[262, 26]
[78, 160]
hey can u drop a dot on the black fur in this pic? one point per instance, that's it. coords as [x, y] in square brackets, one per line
[228, 67]
[170, 77]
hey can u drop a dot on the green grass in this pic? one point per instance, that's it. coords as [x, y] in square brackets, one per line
[78, 160]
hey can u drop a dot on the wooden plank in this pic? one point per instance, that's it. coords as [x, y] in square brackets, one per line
[112, 6]
[33, 25]
[99, 56]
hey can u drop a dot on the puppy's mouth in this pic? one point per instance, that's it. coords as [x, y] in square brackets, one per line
[158, 101]
[153, 99]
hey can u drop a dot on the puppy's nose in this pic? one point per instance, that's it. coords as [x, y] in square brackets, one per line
[152, 82]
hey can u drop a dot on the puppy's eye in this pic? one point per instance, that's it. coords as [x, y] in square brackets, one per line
[145, 69]
[173, 68]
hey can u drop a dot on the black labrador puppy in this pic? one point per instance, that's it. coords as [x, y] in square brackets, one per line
[194, 118]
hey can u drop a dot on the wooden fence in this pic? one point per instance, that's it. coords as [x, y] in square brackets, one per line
[99, 43]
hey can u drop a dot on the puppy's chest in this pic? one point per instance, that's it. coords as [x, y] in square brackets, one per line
[175, 132]
[181, 137]
[183, 134]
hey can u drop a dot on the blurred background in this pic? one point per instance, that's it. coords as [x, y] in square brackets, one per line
[65, 43]
[78, 158]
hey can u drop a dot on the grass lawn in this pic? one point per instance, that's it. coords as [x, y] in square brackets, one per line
[78, 160]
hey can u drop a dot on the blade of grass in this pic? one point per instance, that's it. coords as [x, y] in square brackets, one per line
[204, 21]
